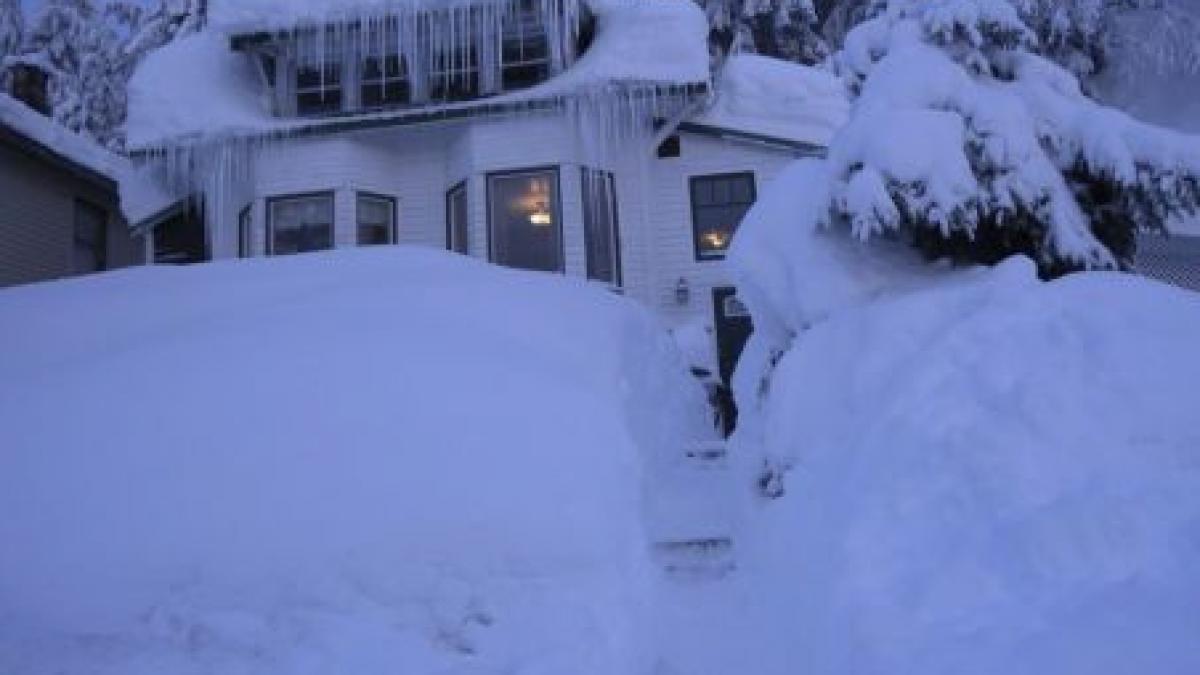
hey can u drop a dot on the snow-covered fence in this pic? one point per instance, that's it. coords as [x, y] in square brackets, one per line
[1175, 260]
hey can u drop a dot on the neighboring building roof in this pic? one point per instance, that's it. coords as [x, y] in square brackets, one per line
[61, 144]
[139, 195]
[198, 88]
[758, 97]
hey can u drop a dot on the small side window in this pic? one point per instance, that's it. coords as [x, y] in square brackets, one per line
[457, 219]
[719, 203]
[376, 220]
[245, 223]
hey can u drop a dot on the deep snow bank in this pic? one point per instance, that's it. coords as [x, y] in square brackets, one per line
[362, 462]
[990, 475]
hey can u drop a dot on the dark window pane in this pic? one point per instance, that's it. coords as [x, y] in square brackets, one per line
[525, 220]
[91, 224]
[300, 224]
[671, 147]
[319, 90]
[385, 82]
[718, 205]
[376, 220]
[457, 219]
[600, 227]
[244, 223]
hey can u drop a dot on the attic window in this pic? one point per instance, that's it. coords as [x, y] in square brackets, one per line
[385, 81]
[455, 75]
[525, 51]
[319, 89]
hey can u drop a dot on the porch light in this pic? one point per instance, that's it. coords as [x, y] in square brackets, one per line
[683, 292]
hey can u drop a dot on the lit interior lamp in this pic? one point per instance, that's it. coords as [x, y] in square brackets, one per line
[541, 215]
[716, 239]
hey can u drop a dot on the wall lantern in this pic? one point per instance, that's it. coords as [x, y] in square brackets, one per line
[683, 292]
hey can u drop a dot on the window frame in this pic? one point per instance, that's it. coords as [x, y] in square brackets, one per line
[405, 79]
[322, 88]
[459, 187]
[98, 248]
[524, 41]
[245, 231]
[700, 254]
[618, 280]
[557, 211]
[394, 225]
[275, 200]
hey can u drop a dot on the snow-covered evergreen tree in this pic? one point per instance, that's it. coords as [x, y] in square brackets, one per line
[784, 29]
[968, 142]
[11, 29]
[160, 24]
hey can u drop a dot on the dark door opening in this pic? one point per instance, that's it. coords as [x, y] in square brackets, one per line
[733, 327]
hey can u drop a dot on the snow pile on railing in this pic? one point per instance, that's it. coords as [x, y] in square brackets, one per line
[369, 461]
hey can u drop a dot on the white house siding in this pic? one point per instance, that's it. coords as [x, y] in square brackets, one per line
[417, 166]
[670, 254]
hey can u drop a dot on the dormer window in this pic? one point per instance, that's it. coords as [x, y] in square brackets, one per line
[455, 75]
[385, 81]
[525, 51]
[319, 88]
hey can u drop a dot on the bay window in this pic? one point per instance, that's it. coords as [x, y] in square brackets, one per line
[601, 236]
[457, 219]
[376, 220]
[525, 219]
[300, 223]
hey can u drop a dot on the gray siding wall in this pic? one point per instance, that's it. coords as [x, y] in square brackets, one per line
[37, 212]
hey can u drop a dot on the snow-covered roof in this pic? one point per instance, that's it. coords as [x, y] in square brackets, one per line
[81, 151]
[199, 88]
[140, 196]
[769, 97]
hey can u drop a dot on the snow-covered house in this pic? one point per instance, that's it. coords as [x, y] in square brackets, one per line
[60, 212]
[582, 137]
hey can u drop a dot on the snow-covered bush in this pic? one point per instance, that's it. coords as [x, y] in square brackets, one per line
[991, 476]
[969, 144]
[368, 462]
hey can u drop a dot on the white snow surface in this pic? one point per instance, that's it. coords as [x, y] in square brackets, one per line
[772, 97]
[995, 475]
[369, 461]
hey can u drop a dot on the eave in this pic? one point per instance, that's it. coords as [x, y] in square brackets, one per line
[36, 149]
[800, 148]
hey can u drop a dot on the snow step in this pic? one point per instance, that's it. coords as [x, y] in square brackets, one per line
[712, 452]
[701, 558]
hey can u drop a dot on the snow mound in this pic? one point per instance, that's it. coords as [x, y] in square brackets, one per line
[991, 476]
[772, 97]
[370, 461]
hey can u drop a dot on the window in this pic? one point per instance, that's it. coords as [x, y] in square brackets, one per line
[300, 223]
[601, 235]
[454, 75]
[244, 233]
[670, 147]
[319, 88]
[376, 220]
[457, 219]
[90, 243]
[524, 219]
[524, 49]
[718, 205]
[385, 80]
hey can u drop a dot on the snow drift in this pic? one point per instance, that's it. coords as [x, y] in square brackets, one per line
[981, 473]
[364, 461]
